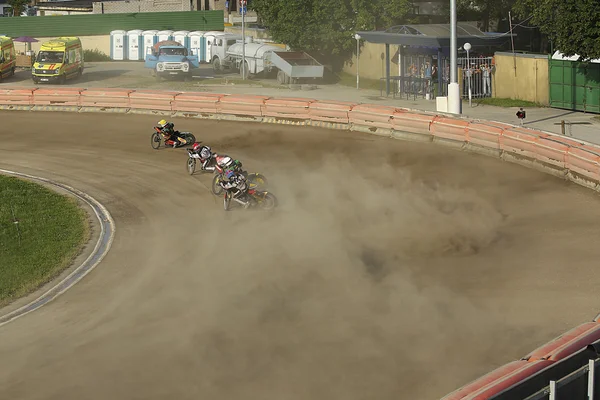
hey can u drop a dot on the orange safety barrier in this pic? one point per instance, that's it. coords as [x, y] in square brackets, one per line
[498, 380]
[486, 133]
[449, 128]
[330, 111]
[114, 98]
[520, 141]
[197, 102]
[552, 151]
[242, 105]
[14, 96]
[411, 122]
[287, 108]
[65, 96]
[567, 344]
[152, 99]
[584, 160]
[372, 115]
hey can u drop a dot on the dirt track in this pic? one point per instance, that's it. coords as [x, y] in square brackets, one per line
[392, 270]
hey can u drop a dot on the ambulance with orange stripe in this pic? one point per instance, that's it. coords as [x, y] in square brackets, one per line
[8, 58]
[58, 60]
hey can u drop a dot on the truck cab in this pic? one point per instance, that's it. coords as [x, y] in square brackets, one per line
[170, 59]
[217, 45]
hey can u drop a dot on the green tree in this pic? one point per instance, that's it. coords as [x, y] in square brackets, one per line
[327, 27]
[572, 25]
[17, 6]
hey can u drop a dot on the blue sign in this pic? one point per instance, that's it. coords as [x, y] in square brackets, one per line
[243, 10]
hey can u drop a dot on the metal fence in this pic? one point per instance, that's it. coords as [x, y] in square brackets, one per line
[581, 384]
[427, 76]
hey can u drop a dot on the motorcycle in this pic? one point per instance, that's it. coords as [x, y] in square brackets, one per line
[256, 198]
[158, 137]
[254, 179]
[214, 164]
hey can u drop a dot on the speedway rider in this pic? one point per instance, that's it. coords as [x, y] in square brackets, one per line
[204, 152]
[236, 182]
[168, 130]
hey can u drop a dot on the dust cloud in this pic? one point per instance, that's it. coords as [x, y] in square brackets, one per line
[317, 300]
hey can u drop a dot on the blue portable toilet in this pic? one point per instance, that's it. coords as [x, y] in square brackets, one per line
[118, 45]
[165, 35]
[183, 38]
[150, 38]
[135, 45]
[198, 45]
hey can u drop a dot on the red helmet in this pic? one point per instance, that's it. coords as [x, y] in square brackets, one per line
[196, 146]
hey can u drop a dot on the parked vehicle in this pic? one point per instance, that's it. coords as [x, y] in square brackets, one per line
[58, 60]
[8, 58]
[170, 59]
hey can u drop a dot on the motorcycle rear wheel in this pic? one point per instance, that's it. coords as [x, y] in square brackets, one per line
[216, 188]
[268, 202]
[189, 139]
[259, 180]
[155, 140]
[191, 165]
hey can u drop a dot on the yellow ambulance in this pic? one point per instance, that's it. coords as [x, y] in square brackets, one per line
[8, 57]
[58, 60]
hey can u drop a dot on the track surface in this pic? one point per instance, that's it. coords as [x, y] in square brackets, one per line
[392, 270]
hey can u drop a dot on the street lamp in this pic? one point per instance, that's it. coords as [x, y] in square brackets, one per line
[357, 37]
[467, 47]
[453, 88]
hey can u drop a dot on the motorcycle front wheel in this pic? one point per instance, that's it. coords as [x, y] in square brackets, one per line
[217, 189]
[155, 140]
[227, 201]
[191, 165]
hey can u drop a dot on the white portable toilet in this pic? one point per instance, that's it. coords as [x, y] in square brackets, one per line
[135, 45]
[183, 38]
[198, 45]
[118, 45]
[150, 39]
[165, 35]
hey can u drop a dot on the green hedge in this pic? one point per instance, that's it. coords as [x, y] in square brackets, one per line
[103, 24]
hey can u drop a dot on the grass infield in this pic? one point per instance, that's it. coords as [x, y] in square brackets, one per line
[41, 232]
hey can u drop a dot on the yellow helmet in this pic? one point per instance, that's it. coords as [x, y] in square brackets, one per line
[162, 123]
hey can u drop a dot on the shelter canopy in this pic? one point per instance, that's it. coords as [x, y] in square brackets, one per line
[434, 35]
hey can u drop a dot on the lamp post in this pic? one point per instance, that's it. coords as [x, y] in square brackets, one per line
[453, 88]
[467, 47]
[243, 9]
[357, 37]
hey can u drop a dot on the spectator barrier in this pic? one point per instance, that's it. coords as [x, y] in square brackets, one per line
[575, 160]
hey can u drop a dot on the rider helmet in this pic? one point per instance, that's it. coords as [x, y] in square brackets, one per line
[225, 162]
[162, 123]
[197, 146]
[237, 164]
[230, 174]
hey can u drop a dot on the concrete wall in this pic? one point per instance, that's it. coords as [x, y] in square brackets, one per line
[371, 65]
[528, 81]
[134, 6]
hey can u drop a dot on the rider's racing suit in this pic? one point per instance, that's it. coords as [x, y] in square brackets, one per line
[236, 183]
[169, 130]
[205, 154]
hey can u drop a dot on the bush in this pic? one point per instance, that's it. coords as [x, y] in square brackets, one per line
[95, 55]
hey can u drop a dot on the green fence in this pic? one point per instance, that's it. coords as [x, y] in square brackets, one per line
[575, 85]
[102, 24]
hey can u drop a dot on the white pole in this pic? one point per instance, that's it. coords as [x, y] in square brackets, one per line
[357, 37]
[552, 390]
[591, 373]
[453, 88]
[243, 5]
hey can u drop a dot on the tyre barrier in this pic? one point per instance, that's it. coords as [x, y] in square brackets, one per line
[572, 159]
